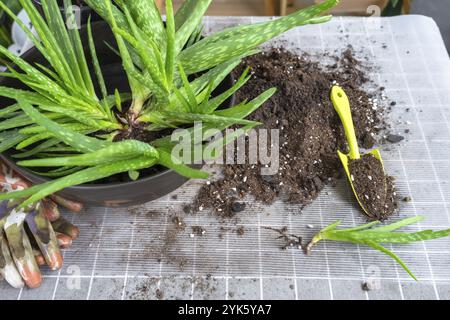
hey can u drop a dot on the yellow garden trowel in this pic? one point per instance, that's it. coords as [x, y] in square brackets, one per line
[342, 107]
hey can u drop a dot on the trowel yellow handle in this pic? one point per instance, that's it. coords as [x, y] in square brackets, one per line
[342, 107]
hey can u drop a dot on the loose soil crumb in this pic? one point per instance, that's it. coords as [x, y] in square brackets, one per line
[142, 289]
[198, 231]
[240, 231]
[159, 294]
[367, 286]
[179, 223]
[205, 287]
[375, 190]
[310, 129]
[394, 138]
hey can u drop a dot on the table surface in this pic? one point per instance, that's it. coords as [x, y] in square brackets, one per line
[139, 255]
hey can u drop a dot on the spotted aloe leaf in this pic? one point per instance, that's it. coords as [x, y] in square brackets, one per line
[14, 138]
[239, 112]
[184, 12]
[170, 50]
[168, 160]
[101, 8]
[150, 22]
[235, 41]
[117, 151]
[190, 23]
[79, 141]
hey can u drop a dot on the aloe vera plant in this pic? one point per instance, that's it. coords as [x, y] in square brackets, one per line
[63, 123]
[373, 237]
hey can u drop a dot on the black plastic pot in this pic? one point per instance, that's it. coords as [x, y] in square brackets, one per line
[114, 194]
[85, 10]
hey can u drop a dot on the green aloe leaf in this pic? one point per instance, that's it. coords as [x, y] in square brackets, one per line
[40, 148]
[188, 90]
[11, 141]
[135, 78]
[76, 115]
[95, 62]
[211, 105]
[178, 118]
[30, 140]
[382, 249]
[117, 151]
[150, 22]
[218, 73]
[397, 225]
[101, 7]
[239, 112]
[6, 112]
[235, 41]
[67, 125]
[50, 40]
[399, 237]
[191, 23]
[184, 12]
[68, 51]
[170, 51]
[159, 86]
[58, 173]
[80, 142]
[167, 159]
[243, 110]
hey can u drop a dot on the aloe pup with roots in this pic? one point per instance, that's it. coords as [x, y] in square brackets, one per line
[376, 236]
[60, 122]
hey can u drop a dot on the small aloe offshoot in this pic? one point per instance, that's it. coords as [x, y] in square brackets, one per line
[374, 237]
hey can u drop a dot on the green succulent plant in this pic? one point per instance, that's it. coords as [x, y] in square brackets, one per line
[60, 122]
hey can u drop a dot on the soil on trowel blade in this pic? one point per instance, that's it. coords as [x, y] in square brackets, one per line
[310, 129]
[375, 190]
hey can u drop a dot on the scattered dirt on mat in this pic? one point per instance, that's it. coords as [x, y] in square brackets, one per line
[143, 290]
[310, 130]
[407, 199]
[240, 231]
[198, 231]
[288, 240]
[179, 223]
[162, 243]
[159, 294]
[394, 138]
[366, 286]
[375, 189]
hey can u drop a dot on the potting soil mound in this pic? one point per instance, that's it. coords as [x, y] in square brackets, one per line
[375, 189]
[310, 129]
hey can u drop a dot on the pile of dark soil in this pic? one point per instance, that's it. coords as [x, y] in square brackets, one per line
[375, 189]
[310, 129]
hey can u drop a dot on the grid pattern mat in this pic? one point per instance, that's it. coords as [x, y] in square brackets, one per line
[138, 254]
